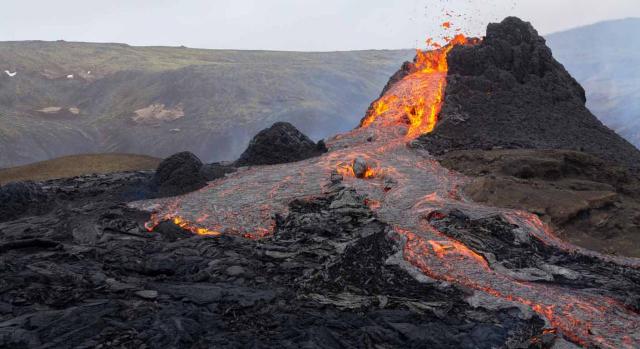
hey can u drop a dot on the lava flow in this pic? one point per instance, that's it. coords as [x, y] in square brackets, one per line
[403, 187]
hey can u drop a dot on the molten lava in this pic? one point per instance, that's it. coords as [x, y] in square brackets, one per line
[405, 186]
[179, 221]
[411, 106]
[182, 223]
[450, 249]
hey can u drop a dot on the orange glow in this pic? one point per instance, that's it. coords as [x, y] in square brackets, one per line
[182, 223]
[179, 221]
[436, 60]
[407, 190]
[379, 107]
[446, 25]
[446, 248]
[369, 173]
[411, 106]
[346, 170]
[560, 316]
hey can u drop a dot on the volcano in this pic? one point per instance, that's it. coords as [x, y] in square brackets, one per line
[373, 243]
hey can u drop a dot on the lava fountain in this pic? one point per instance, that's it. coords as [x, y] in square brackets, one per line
[403, 185]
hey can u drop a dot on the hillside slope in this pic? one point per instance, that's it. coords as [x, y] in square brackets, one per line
[68, 98]
[605, 59]
[78, 165]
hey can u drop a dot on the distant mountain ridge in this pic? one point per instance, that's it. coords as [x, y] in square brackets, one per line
[69, 98]
[62, 98]
[605, 59]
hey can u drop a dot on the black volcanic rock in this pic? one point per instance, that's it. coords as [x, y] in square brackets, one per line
[509, 92]
[532, 260]
[19, 198]
[178, 174]
[216, 170]
[587, 201]
[278, 144]
[90, 275]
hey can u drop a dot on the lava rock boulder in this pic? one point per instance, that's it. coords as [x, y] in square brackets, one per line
[278, 144]
[178, 174]
[360, 167]
[20, 198]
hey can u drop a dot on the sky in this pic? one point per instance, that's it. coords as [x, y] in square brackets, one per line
[292, 25]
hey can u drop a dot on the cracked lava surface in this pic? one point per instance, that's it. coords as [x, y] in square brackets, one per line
[403, 185]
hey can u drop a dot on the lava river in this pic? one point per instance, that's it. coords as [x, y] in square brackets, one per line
[402, 185]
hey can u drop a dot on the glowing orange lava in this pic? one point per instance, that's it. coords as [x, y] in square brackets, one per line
[182, 223]
[448, 248]
[411, 106]
[369, 173]
[179, 221]
[346, 170]
[379, 107]
[402, 186]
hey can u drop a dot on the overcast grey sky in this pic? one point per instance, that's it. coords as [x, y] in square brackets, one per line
[305, 25]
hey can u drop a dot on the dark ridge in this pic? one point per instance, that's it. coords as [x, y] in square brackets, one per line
[509, 92]
[179, 174]
[278, 144]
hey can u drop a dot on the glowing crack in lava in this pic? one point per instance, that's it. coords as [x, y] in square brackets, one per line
[246, 202]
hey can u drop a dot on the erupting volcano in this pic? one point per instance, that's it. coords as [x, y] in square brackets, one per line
[411, 192]
[417, 104]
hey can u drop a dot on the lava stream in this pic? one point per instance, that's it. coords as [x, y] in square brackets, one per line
[403, 187]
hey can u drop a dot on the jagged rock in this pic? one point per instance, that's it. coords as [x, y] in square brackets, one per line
[331, 275]
[329, 262]
[147, 294]
[179, 174]
[589, 203]
[321, 147]
[216, 170]
[322, 278]
[502, 245]
[509, 91]
[360, 167]
[280, 143]
[235, 270]
[19, 198]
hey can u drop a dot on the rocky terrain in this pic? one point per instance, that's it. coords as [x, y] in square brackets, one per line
[589, 202]
[88, 274]
[364, 240]
[81, 270]
[564, 165]
[73, 98]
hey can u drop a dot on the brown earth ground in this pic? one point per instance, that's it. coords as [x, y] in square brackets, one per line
[589, 202]
[77, 165]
